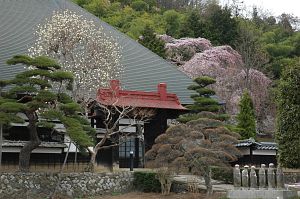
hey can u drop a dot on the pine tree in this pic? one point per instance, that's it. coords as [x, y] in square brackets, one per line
[202, 100]
[197, 146]
[192, 26]
[8, 110]
[150, 41]
[288, 117]
[246, 117]
[222, 27]
[32, 93]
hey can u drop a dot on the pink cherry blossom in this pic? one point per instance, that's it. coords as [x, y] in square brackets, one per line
[181, 50]
[225, 65]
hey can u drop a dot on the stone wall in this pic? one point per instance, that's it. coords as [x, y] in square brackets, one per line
[73, 185]
[291, 177]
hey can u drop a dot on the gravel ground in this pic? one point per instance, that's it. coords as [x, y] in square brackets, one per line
[139, 195]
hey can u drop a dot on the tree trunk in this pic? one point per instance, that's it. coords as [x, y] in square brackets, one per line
[92, 163]
[33, 143]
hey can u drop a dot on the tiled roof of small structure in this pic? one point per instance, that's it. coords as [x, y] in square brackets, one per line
[247, 143]
[257, 145]
[160, 99]
[143, 70]
[11, 143]
[267, 146]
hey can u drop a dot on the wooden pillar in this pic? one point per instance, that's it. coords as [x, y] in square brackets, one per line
[251, 155]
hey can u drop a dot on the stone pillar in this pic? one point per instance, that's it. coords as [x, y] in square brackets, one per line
[262, 176]
[253, 178]
[279, 178]
[245, 177]
[237, 177]
[271, 176]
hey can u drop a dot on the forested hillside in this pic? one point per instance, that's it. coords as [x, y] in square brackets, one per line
[241, 52]
[271, 42]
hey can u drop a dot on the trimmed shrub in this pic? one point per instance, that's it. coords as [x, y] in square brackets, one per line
[146, 182]
[246, 117]
[288, 117]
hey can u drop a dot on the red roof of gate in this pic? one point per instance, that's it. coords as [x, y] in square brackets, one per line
[160, 99]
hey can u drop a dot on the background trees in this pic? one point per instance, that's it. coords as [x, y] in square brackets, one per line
[88, 52]
[249, 47]
[97, 7]
[272, 41]
[173, 21]
[140, 5]
[150, 41]
[31, 95]
[288, 117]
[222, 26]
[192, 25]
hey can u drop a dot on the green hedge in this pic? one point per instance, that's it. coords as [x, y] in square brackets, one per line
[222, 174]
[146, 182]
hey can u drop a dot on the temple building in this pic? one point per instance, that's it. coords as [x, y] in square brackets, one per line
[166, 105]
[142, 70]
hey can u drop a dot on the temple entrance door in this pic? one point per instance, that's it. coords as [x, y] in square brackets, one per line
[131, 144]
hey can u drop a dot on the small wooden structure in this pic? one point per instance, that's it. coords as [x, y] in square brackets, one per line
[256, 153]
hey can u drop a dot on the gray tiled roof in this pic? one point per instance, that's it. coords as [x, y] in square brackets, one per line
[267, 146]
[143, 70]
[257, 145]
[247, 143]
[10, 143]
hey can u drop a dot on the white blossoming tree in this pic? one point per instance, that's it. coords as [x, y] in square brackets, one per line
[82, 48]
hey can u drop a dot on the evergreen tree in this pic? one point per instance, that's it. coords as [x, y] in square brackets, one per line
[97, 7]
[172, 19]
[215, 24]
[32, 94]
[140, 5]
[202, 100]
[197, 146]
[8, 110]
[288, 117]
[150, 41]
[222, 27]
[192, 26]
[246, 117]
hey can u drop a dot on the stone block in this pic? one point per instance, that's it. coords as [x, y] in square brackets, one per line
[261, 194]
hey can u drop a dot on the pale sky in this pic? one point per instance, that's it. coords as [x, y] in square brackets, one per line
[275, 7]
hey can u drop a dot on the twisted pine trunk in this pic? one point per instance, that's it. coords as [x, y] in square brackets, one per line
[92, 163]
[33, 143]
